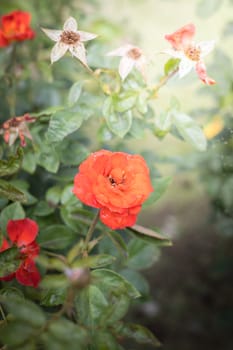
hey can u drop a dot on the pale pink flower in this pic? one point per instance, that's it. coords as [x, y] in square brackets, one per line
[190, 53]
[132, 57]
[70, 38]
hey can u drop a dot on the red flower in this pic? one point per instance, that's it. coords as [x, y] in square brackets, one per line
[17, 126]
[22, 233]
[117, 183]
[15, 26]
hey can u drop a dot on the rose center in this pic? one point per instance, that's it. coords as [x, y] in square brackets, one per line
[134, 53]
[193, 53]
[69, 37]
[117, 177]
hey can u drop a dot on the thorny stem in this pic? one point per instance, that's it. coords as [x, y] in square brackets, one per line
[91, 228]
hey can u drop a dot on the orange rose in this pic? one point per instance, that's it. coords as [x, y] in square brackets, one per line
[117, 183]
[15, 26]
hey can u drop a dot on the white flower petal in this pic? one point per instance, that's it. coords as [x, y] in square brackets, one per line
[140, 64]
[121, 51]
[125, 66]
[185, 67]
[79, 52]
[174, 53]
[85, 36]
[58, 51]
[70, 25]
[206, 47]
[52, 34]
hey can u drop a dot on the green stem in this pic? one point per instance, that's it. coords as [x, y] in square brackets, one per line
[162, 82]
[91, 229]
[2, 313]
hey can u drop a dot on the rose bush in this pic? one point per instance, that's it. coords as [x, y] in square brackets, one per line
[85, 274]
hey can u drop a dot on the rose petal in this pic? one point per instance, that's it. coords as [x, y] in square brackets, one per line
[58, 51]
[53, 34]
[70, 25]
[201, 71]
[85, 36]
[182, 37]
[125, 66]
[116, 220]
[79, 52]
[28, 274]
[22, 231]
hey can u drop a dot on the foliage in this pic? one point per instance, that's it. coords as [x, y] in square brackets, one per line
[90, 273]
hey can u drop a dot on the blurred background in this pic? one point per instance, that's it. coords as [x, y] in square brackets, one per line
[191, 301]
[187, 299]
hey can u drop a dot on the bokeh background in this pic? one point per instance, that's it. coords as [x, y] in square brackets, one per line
[190, 304]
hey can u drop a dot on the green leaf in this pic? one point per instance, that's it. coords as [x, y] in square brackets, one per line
[94, 261]
[9, 261]
[109, 280]
[48, 111]
[160, 186]
[11, 212]
[149, 236]
[206, 8]
[142, 255]
[104, 340]
[53, 297]
[62, 124]
[43, 209]
[171, 65]
[163, 123]
[125, 101]
[29, 162]
[15, 333]
[138, 333]
[91, 306]
[69, 333]
[54, 281]
[73, 153]
[24, 310]
[119, 123]
[118, 242]
[56, 237]
[141, 104]
[74, 93]
[49, 159]
[137, 280]
[53, 195]
[23, 187]
[189, 130]
[11, 165]
[137, 128]
[10, 192]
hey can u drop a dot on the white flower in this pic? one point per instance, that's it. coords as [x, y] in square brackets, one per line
[190, 54]
[70, 38]
[132, 57]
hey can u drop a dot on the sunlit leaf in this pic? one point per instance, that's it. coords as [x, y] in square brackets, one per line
[74, 93]
[190, 130]
[119, 123]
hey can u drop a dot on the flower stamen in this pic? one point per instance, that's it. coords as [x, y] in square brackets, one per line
[69, 38]
[193, 53]
[134, 53]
